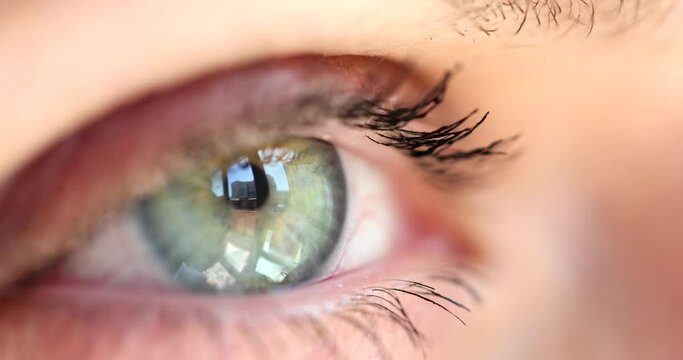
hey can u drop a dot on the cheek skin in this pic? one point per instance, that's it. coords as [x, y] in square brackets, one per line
[635, 238]
[583, 229]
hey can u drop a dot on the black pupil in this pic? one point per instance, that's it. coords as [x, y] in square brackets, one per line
[252, 189]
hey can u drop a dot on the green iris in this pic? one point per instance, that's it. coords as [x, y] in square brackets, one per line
[264, 218]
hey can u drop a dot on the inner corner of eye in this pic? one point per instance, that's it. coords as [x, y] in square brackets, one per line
[267, 217]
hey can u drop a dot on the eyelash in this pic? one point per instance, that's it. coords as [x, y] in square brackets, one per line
[363, 309]
[434, 151]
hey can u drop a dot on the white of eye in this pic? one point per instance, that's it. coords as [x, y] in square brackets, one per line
[371, 218]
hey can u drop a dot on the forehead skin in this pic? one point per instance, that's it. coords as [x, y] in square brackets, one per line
[582, 232]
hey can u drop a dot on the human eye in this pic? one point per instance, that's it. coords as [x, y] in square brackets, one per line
[340, 179]
[261, 210]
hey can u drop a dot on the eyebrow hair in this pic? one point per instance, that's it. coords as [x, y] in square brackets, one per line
[562, 17]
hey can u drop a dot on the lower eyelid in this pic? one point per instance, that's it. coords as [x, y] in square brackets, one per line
[181, 325]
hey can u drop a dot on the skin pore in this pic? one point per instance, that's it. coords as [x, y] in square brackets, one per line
[579, 236]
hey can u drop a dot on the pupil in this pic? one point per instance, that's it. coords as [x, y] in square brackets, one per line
[247, 184]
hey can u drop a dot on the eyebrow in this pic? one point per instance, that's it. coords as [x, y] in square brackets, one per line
[560, 17]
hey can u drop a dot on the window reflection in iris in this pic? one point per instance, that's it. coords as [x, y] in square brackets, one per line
[271, 217]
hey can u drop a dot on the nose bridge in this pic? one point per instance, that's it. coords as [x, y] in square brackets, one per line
[585, 225]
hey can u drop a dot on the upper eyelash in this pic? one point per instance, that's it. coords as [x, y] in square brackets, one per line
[433, 148]
[370, 114]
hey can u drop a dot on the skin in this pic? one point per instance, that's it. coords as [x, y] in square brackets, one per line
[579, 235]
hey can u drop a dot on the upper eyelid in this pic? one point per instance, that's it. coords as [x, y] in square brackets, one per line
[81, 61]
[77, 77]
[49, 87]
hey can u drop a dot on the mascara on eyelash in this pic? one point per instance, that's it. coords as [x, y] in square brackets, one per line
[435, 149]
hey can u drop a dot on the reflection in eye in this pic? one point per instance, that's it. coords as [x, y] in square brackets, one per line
[268, 218]
[220, 204]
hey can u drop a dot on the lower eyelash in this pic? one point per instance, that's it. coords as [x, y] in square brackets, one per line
[371, 315]
[364, 309]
